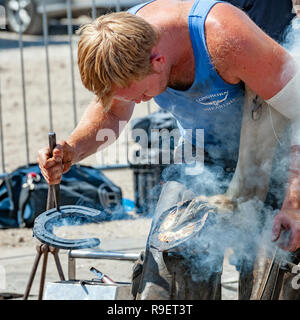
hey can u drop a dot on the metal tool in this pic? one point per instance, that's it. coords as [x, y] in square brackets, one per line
[102, 277]
[53, 190]
[276, 263]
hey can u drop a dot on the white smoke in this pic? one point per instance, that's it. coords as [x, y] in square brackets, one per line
[292, 39]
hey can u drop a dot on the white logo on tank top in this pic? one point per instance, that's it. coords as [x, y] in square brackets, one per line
[213, 99]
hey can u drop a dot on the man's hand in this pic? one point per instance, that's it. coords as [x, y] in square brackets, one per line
[288, 219]
[286, 225]
[52, 168]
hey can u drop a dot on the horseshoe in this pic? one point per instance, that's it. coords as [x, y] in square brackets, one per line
[67, 215]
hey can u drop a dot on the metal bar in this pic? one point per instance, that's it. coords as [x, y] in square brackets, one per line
[58, 264]
[71, 268]
[23, 87]
[70, 31]
[107, 255]
[45, 35]
[94, 10]
[95, 254]
[43, 272]
[53, 190]
[118, 6]
[113, 166]
[2, 137]
[32, 274]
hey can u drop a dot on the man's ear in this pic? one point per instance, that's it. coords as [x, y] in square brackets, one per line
[158, 61]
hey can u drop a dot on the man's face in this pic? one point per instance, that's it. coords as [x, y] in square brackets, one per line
[150, 86]
[143, 90]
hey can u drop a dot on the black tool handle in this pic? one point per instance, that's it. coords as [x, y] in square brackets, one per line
[52, 142]
[53, 190]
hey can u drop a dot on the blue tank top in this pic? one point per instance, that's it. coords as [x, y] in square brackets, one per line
[210, 103]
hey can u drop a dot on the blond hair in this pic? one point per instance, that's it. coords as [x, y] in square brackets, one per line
[114, 49]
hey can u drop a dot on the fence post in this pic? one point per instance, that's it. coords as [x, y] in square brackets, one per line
[118, 6]
[70, 31]
[94, 10]
[2, 17]
[1, 133]
[23, 87]
[45, 36]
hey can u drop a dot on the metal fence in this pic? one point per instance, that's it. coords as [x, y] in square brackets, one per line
[27, 139]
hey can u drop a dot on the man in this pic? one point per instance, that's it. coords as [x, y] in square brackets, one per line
[194, 58]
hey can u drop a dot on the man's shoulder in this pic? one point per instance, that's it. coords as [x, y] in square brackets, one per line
[225, 37]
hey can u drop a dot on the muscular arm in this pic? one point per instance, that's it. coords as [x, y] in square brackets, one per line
[243, 52]
[84, 138]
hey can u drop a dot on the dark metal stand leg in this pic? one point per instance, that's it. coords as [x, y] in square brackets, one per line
[43, 274]
[55, 251]
[43, 249]
[33, 272]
